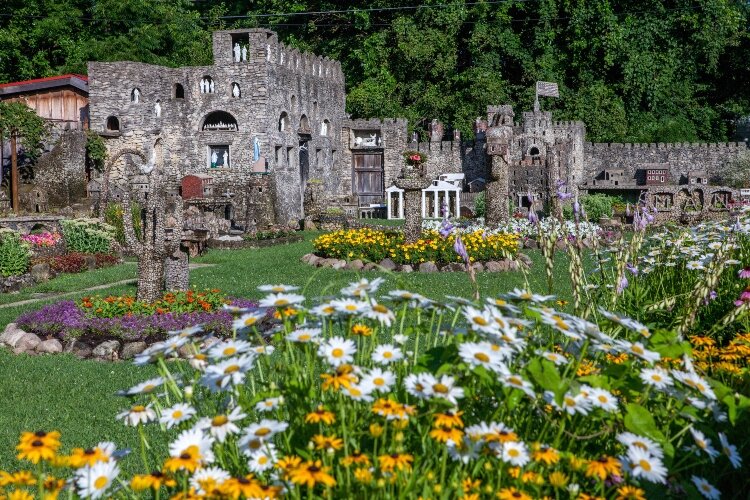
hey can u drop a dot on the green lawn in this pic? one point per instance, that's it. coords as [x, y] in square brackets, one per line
[78, 397]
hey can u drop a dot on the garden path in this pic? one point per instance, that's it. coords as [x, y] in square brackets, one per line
[54, 295]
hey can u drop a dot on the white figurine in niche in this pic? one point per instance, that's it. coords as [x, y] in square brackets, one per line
[136, 95]
[236, 52]
[203, 86]
[225, 157]
[211, 87]
[214, 159]
[235, 90]
[157, 109]
[244, 54]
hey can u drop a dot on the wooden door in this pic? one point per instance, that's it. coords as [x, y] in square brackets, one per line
[368, 178]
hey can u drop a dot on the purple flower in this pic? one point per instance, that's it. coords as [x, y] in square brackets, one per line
[576, 208]
[622, 285]
[744, 297]
[533, 217]
[744, 273]
[711, 296]
[446, 228]
[633, 269]
[460, 249]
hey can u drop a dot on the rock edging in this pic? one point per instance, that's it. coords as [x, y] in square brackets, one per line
[493, 266]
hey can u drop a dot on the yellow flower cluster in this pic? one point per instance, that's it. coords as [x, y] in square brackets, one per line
[732, 359]
[373, 245]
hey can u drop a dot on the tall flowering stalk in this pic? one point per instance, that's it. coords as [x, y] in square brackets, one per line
[446, 229]
[547, 237]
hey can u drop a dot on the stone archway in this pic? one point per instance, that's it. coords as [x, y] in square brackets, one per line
[108, 171]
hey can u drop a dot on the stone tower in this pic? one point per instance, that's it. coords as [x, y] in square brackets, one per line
[499, 139]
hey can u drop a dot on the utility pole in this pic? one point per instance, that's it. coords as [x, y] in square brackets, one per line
[14, 173]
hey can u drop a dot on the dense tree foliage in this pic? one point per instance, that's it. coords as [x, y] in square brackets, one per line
[633, 70]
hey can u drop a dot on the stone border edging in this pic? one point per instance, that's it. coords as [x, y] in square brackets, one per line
[493, 266]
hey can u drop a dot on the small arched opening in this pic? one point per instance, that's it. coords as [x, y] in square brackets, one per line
[135, 95]
[293, 100]
[113, 124]
[207, 85]
[304, 125]
[236, 91]
[284, 122]
[325, 128]
[534, 151]
[179, 91]
[219, 120]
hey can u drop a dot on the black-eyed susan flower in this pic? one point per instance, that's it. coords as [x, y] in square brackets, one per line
[356, 458]
[320, 415]
[363, 475]
[628, 492]
[445, 434]
[153, 481]
[603, 467]
[311, 473]
[327, 442]
[545, 454]
[512, 493]
[89, 456]
[448, 419]
[36, 447]
[395, 461]
[244, 486]
[558, 480]
[361, 330]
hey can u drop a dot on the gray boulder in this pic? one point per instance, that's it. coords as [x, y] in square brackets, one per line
[428, 267]
[355, 265]
[478, 267]
[369, 266]
[51, 346]
[27, 343]
[41, 272]
[339, 264]
[531, 243]
[91, 262]
[388, 264]
[107, 350]
[11, 335]
[132, 349]
[494, 266]
[453, 267]
[406, 268]
[525, 259]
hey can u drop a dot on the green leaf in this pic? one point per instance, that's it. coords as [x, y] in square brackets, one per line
[545, 374]
[640, 421]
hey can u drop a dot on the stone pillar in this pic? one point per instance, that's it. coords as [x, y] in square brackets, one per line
[177, 270]
[412, 182]
[496, 196]
[400, 204]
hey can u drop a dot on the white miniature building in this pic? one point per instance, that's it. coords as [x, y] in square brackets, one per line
[433, 197]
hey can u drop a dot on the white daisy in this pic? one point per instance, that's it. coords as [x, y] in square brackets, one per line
[304, 335]
[186, 332]
[400, 339]
[223, 425]
[263, 430]
[195, 441]
[337, 351]
[401, 295]
[602, 398]
[514, 453]
[268, 404]
[362, 287]
[281, 300]
[524, 295]
[482, 354]
[704, 444]
[386, 354]
[380, 380]
[227, 373]
[229, 348]
[464, 451]
[146, 387]
[561, 323]
[324, 310]
[445, 388]
[419, 385]
[646, 466]
[730, 451]
[380, 313]
[480, 320]
[637, 349]
[92, 481]
[171, 345]
[705, 488]
[573, 404]
[692, 380]
[247, 320]
[208, 479]
[359, 392]
[263, 459]
[557, 359]
[263, 349]
[516, 382]
[350, 306]
[277, 288]
[694, 265]
[176, 414]
[656, 377]
[136, 415]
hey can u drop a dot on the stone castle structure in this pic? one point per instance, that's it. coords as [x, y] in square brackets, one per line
[264, 122]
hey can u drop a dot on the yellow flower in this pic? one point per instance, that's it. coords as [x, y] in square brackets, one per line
[603, 467]
[448, 419]
[327, 442]
[512, 494]
[357, 458]
[311, 473]
[376, 430]
[400, 461]
[236, 487]
[320, 415]
[188, 460]
[80, 457]
[20, 478]
[154, 481]
[630, 493]
[37, 446]
[342, 378]
[445, 434]
[362, 330]
[20, 495]
[546, 454]
[558, 480]
[363, 475]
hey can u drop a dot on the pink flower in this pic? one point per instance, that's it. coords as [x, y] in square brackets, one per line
[744, 273]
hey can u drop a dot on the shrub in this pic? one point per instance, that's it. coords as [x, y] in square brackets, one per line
[88, 235]
[269, 234]
[596, 205]
[45, 239]
[480, 204]
[113, 216]
[73, 262]
[15, 254]
[373, 245]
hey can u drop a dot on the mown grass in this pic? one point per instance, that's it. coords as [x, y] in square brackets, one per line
[78, 397]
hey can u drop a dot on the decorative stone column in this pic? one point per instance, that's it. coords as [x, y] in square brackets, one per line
[412, 181]
[496, 197]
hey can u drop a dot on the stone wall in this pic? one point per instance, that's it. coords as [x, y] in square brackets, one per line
[443, 157]
[61, 172]
[713, 158]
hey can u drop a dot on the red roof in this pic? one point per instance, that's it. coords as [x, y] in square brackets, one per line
[79, 81]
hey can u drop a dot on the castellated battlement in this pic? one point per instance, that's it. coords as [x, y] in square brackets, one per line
[263, 45]
[373, 123]
[427, 147]
[714, 146]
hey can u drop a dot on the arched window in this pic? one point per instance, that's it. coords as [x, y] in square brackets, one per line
[135, 95]
[315, 109]
[236, 91]
[113, 124]
[534, 151]
[284, 122]
[294, 103]
[304, 125]
[325, 128]
[219, 120]
[207, 85]
[179, 91]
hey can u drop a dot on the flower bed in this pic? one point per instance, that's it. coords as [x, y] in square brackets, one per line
[371, 245]
[94, 319]
[406, 397]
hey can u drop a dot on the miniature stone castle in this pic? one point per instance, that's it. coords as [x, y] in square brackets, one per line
[265, 119]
